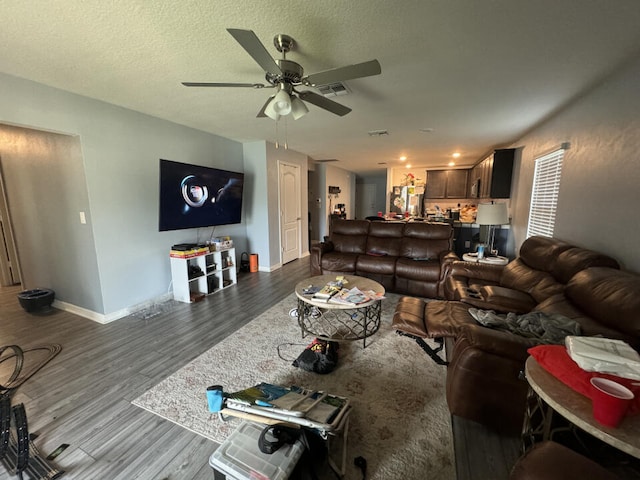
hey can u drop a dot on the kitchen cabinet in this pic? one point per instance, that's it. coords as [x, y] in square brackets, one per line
[491, 178]
[446, 184]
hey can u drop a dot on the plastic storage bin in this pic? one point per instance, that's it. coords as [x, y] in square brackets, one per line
[240, 458]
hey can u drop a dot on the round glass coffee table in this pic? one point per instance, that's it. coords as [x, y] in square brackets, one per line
[339, 322]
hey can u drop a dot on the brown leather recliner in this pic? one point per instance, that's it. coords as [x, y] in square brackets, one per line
[542, 269]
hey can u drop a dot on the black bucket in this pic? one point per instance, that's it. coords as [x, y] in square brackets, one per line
[36, 299]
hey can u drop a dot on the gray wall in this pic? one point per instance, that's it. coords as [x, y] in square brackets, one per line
[120, 150]
[598, 199]
[46, 189]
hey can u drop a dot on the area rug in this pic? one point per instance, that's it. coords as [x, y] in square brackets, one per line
[399, 422]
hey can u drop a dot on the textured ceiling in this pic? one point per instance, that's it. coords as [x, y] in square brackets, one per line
[479, 73]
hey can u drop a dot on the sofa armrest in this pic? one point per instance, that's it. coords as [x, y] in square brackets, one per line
[498, 342]
[507, 299]
[488, 273]
[494, 297]
[446, 259]
[317, 250]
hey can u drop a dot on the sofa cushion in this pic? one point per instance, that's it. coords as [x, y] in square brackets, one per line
[385, 238]
[339, 262]
[422, 270]
[349, 236]
[446, 319]
[609, 296]
[426, 241]
[539, 284]
[385, 265]
[575, 259]
[540, 253]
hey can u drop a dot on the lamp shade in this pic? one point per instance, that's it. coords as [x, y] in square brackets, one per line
[298, 108]
[492, 214]
[282, 103]
[269, 111]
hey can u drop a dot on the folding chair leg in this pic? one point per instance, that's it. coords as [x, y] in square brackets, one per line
[432, 352]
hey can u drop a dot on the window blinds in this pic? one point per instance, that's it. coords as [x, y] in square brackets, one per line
[544, 197]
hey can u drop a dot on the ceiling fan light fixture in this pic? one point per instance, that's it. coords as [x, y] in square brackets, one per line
[298, 108]
[270, 111]
[282, 103]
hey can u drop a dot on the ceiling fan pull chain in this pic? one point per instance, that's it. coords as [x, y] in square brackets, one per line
[277, 146]
[286, 145]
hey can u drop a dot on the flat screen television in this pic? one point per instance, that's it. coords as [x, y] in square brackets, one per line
[193, 196]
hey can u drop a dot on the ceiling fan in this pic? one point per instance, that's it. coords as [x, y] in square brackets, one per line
[286, 76]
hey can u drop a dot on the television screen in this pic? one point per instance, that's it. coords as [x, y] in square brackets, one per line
[193, 196]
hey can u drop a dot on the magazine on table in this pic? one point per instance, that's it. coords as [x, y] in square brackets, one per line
[354, 296]
[331, 288]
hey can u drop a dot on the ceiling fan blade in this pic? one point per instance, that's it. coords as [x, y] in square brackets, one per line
[359, 70]
[261, 113]
[322, 102]
[254, 47]
[209, 84]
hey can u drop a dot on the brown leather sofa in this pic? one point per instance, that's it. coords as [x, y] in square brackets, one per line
[542, 269]
[405, 257]
[484, 381]
[484, 373]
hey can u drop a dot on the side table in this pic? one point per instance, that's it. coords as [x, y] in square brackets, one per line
[550, 395]
[496, 260]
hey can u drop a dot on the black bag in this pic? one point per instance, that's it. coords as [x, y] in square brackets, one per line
[320, 356]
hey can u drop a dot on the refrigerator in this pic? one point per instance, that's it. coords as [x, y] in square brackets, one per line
[407, 199]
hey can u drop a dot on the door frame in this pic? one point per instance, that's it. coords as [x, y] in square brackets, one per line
[10, 273]
[298, 194]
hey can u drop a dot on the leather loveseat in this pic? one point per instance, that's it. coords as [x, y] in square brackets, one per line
[405, 257]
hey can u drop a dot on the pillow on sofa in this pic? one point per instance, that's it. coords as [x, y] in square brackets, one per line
[555, 360]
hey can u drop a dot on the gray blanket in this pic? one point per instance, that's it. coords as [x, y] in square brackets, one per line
[545, 327]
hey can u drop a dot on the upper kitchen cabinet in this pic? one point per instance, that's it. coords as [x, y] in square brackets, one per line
[491, 178]
[446, 184]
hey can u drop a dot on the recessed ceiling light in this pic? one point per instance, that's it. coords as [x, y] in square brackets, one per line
[452, 164]
[456, 155]
[403, 158]
[408, 165]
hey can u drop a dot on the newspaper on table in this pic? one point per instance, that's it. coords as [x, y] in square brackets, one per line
[604, 355]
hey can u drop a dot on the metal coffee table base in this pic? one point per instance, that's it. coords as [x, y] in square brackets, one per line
[343, 324]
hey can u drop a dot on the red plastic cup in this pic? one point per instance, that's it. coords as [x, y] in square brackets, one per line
[379, 214]
[610, 401]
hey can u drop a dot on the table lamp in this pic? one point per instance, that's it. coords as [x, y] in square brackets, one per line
[492, 214]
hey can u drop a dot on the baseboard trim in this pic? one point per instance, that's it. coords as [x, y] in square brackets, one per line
[109, 317]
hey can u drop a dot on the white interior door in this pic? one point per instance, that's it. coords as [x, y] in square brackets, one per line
[290, 219]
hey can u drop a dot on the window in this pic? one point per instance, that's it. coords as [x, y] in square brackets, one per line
[544, 197]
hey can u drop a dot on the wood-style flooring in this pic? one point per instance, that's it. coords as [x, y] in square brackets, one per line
[82, 397]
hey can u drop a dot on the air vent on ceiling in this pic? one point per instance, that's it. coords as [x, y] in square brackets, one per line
[327, 160]
[333, 89]
[378, 133]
